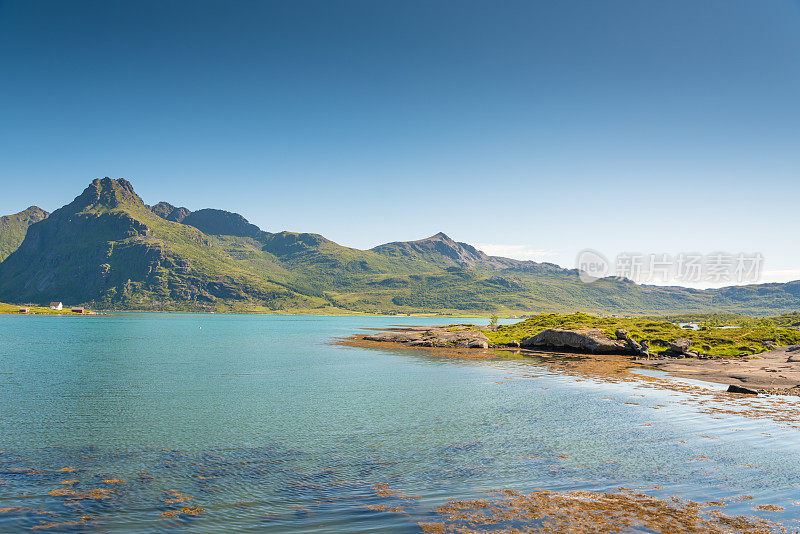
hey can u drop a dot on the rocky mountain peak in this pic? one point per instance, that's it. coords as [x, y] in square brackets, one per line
[439, 248]
[32, 214]
[107, 193]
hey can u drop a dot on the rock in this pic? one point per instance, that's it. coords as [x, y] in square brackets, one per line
[706, 347]
[680, 345]
[395, 337]
[514, 344]
[478, 344]
[587, 340]
[741, 389]
[633, 345]
[622, 334]
[770, 344]
[691, 354]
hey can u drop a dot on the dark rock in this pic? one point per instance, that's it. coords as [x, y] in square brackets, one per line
[622, 334]
[633, 345]
[741, 389]
[706, 347]
[513, 344]
[587, 340]
[770, 344]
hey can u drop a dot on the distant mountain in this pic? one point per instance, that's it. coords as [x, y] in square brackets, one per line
[109, 250]
[14, 227]
[219, 222]
[167, 211]
[442, 250]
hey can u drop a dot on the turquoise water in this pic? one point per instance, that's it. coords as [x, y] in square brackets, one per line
[270, 427]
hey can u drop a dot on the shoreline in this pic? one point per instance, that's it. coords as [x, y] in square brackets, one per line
[765, 375]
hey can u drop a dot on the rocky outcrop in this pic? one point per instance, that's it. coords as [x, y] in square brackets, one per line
[471, 339]
[680, 349]
[788, 354]
[590, 340]
[680, 345]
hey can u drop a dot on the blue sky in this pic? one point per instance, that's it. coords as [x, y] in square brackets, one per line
[534, 129]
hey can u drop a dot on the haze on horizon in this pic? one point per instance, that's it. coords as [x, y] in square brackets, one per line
[530, 129]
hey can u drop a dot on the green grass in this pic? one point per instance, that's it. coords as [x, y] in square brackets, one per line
[748, 338]
[34, 310]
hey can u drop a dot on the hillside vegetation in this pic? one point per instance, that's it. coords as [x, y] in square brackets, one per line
[13, 229]
[748, 336]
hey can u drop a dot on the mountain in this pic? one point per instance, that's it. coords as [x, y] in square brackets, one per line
[109, 250]
[219, 222]
[14, 227]
[167, 211]
[442, 250]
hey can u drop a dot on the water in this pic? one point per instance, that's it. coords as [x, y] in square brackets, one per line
[267, 426]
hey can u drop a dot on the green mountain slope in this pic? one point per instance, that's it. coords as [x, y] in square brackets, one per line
[110, 250]
[14, 227]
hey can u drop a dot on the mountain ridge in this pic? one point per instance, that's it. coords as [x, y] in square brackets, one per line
[14, 227]
[108, 249]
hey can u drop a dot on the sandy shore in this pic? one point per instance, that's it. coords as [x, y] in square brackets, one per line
[770, 372]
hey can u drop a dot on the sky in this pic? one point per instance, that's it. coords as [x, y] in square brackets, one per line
[532, 129]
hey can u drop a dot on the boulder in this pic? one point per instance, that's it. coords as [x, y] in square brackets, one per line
[633, 345]
[680, 345]
[770, 344]
[622, 334]
[587, 340]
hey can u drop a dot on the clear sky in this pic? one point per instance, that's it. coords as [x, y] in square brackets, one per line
[534, 129]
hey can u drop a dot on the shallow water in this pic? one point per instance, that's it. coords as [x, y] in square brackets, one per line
[267, 426]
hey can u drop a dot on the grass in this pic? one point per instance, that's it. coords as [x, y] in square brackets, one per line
[746, 338]
[34, 310]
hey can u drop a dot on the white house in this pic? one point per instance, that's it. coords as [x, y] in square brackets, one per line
[56, 306]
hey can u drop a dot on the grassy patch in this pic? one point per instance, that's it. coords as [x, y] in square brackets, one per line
[34, 310]
[747, 337]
